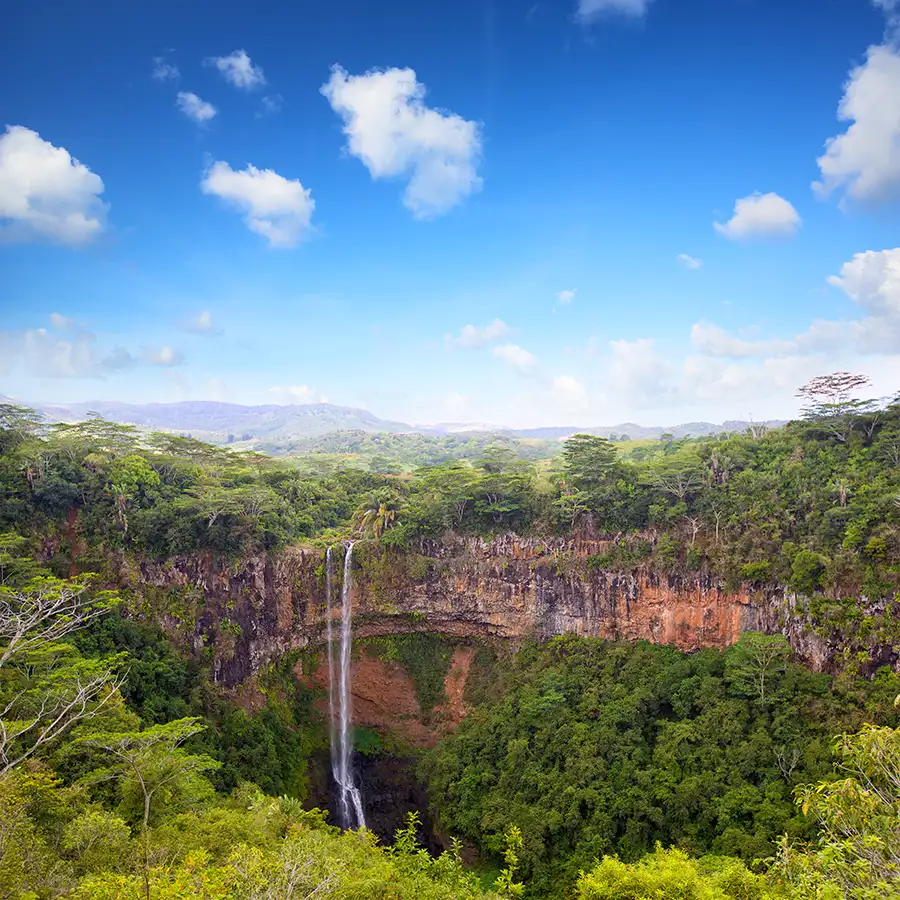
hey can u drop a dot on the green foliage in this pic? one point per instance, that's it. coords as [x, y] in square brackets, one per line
[55, 842]
[506, 885]
[673, 875]
[756, 664]
[857, 852]
[601, 748]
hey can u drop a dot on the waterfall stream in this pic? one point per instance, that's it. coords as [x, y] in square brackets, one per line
[341, 713]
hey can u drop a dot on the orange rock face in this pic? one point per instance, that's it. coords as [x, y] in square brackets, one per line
[507, 588]
[384, 697]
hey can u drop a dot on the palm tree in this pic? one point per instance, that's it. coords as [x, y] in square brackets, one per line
[378, 515]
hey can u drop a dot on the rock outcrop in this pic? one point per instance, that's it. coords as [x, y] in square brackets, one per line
[254, 610]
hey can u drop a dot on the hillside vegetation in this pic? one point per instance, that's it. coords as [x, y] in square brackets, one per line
[589, 770]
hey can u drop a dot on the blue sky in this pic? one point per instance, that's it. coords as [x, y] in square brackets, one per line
[472, 211]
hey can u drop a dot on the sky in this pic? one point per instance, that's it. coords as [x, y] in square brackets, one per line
[500, 211]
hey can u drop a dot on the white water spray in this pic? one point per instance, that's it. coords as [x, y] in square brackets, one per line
[341, 713]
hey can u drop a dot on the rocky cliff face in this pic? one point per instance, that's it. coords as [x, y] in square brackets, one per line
[253, 611]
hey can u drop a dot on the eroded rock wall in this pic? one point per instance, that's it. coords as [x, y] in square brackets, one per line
[250, 612]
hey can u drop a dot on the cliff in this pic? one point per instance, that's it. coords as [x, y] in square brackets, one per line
[252, 611]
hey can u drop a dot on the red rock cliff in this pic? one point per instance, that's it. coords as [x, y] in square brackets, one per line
[254, 610]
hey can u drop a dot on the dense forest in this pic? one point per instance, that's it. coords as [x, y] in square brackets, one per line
[586, 769]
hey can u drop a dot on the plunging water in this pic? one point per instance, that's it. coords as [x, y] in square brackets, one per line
[341, 714]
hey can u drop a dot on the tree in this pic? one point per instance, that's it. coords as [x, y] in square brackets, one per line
[152, 759]
[506, 885]
[677, 475]
[45, 685]
[673, 875]
[756, 661]
[17, 425]
[588, 461]
[857, 853]
[128, 477]
[571, 504]
[378, 514]
[829, 403]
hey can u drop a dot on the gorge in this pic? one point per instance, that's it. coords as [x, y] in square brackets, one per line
[464, 590]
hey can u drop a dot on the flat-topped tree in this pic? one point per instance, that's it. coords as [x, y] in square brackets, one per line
[830, 402]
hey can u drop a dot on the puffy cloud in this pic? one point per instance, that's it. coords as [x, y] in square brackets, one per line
[689, 262]
[70, 350]
[298, 393]
[872, 281]
[760, 216]
[62, 323]
[163, 70]
[278, 208]
[589, 11]
[566, 296]
[472, 336]
[864, 161]
[238, 69]
[202, 323]
[569, 390]
[195, 108]
[165, 356]
[391, 130]
[47, 355]
[517, 357]
[638, 374]
[45, 193]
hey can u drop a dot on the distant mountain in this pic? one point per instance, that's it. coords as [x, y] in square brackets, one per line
[217, 421]
[231, 422]
[642, 432]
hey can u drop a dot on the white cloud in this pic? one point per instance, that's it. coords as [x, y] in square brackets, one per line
[202, 323]
[590, 10]
[565, 297]
[298, 393]
[517, 357]
[45, 192]
[638, 373]
[195, 108]
[166, 356]
[271, 105]
[62, 323]
[864, 161]
[163, 70]
[760, 216]
[472, 336]
[689, 262]
[872, 281]
[822, 335]
[569, 390]
[46, 355]
[238, 69]
[391, 130]
[278, 208]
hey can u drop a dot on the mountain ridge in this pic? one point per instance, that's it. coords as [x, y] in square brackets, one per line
[222, 422]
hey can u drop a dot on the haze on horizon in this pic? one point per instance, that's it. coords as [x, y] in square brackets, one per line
[524, 214]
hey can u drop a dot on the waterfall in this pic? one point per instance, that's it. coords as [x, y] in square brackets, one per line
[341, 714]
